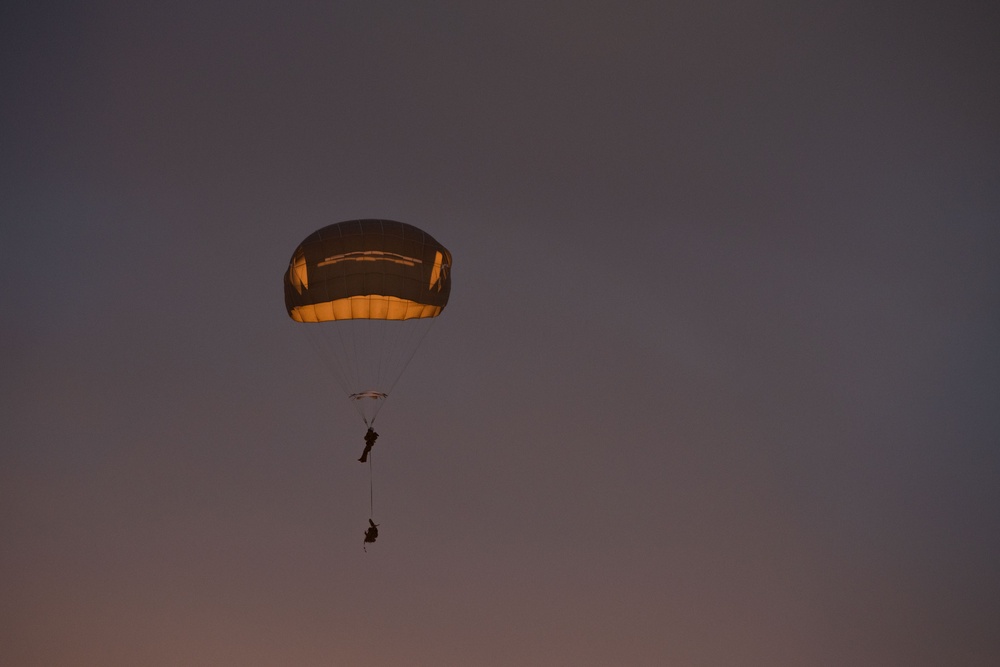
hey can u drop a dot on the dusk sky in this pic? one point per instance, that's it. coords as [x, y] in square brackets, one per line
[718, 383]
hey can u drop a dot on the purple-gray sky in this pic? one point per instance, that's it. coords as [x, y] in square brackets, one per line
[718, 383]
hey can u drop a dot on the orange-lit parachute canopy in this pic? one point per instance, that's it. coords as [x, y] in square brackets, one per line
[368, 291]
[367, 269]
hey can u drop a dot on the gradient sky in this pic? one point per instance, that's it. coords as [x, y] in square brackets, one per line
[718, 383]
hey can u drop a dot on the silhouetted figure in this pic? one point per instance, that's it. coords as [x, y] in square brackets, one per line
[371, 534]
[370, 437]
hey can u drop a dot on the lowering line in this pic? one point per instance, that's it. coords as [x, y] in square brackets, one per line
[371, 488]
[372, 533]
[370, 437]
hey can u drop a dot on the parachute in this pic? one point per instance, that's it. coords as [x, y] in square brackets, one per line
[367, 293]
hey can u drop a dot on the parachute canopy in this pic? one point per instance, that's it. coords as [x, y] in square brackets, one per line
[367, 291]
[367, 269]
